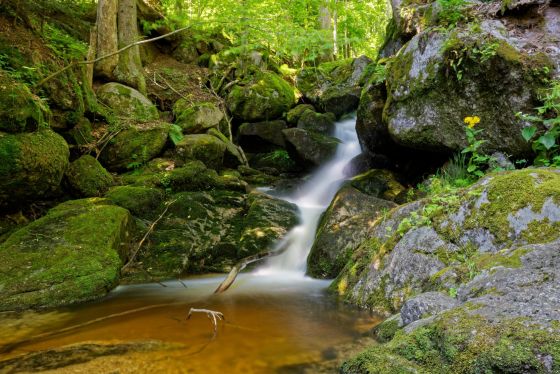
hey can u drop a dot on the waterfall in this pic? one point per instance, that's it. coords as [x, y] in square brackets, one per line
[312, 200]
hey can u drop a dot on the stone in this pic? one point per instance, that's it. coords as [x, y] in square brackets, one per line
[20, 110]
[196, 118]
[312, 148]
[322, 123]
[293, 116]
[31, 165]
[203, 147]
[71, 255]
[127, 102]
[279, 160]
[88, 177]
[424, 305]
[262, 136]
[142, 202]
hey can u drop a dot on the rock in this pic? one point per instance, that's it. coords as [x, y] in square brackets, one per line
[135, 145]
[342, 228]
[378, 183]
[186, 52]
[203, 147]
[71, 255]
[198, 117]
[261, 97]
[20, 110]
[262, 136]
[294, 114]
[31, 165]
[424, 305]
[88, 177]
[279, 160]
[373, 133]
[333, 86]
[387, 329]
[321, 123]
[427, 98]
[81, 133]
[142, 202]
[127, 102]
[500, 161]
[312, 148]
[366, 161]
[234, 155]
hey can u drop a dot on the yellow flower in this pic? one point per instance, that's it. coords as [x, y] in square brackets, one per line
[472, 121]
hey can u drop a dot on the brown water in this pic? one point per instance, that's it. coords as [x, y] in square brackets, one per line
[273, 324]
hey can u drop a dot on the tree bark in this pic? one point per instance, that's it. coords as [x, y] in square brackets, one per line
[107, 38]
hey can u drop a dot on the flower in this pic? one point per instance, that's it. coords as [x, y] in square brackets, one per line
[471, 121]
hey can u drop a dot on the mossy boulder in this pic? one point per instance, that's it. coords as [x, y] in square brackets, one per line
[20, 110]
[309, 147]
[430, 92]
[443, 241]
[349, 219]
[333, 86]
[142, 202]
[135, 145]
[322, 123]
[81, 133]
[88, 177]
[293, 116]
[262, 136]
[279, 160]
[196, 118]
[260, 97]
[31, 165]
[127, 102]
[203, 147]
[71, 255]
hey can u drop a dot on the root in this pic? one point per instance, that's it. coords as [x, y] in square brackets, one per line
[212, 315]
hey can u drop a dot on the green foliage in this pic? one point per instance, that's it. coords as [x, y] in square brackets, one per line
[545, 142]
[477, 161]
[63, 44]
[452, 12]
[175, 134]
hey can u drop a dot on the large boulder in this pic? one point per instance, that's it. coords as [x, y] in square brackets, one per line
[31, 165]
[279, 160]
[196, 118]
[442, 242]
[333, 86]
[440, 78]
[88, 177]
[322, 123]
[293, 116]
[260, 97]
[135, 145]
[203, 147]
[313, 149]
[71, 255]
[142, 202]
[127, 102]
[20, 110]
[262, 136]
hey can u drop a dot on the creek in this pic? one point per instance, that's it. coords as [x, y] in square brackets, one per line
[276, 318]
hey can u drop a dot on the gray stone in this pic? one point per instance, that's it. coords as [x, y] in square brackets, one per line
[426, 304]
[128, 102]
[312, 148]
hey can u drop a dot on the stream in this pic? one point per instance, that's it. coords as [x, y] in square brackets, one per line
[276, 319]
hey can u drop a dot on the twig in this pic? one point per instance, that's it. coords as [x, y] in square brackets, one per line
[150, 229]
[212, 315]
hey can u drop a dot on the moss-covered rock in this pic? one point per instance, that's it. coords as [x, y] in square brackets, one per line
[20, 110]
[196, 118]
[203, 147]
[280, 160]
[127, 102]
[294, 114]
[87, 177]
[142, 202]
[71, 255]
[262, 136]
[322, 123]
[260, 97]
[81, 133]
[31, 165]
[135, 145]
[313, 149]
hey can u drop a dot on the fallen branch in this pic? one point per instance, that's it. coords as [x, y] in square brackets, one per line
[246, 261]
[212, 315]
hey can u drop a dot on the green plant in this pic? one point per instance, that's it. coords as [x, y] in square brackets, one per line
[452, 12]
[175, 134]
[545, 142]
[477, 161]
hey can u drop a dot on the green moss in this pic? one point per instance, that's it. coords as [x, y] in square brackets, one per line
[140, 201]
[20, 110]
[203, 147]
[387, 329]
[88, 177]
[72, 254]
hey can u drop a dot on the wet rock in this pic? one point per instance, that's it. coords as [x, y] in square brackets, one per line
[312, 148]
[140, 201]
[127, 102]
[424, 305]
[88, 177]
[203, 147]
[71, 255]
[135, 145]
[294, 114]
[262, 136]
[31, 164]
[278, 160]
[196, 118]
[322, 123]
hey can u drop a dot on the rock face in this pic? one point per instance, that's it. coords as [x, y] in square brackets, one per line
[135, 146]
[127, 102]
[334, 86]
[88, 178]
[261, 97]
[198, 117]
[349, 219]
[310, 147]
[71, 255]
[31, 164]
[430, 95]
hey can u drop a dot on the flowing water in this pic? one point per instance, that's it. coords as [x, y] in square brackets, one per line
[277, 320]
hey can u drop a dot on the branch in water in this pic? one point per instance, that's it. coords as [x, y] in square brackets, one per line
[212, 316]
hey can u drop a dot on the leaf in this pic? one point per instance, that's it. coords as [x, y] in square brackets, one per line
[175, 134]
[548, 140]
[528, 132]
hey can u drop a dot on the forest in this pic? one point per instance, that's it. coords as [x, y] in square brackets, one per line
[291, 186]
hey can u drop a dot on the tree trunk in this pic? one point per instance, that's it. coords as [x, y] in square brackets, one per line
[107, 39]
[335, 29]
[129, 67]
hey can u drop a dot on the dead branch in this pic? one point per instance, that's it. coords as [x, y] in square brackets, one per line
[246, 261]
[150, 230]
[212, 315]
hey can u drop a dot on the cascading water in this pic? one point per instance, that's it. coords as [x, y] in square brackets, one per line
[313, 199]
